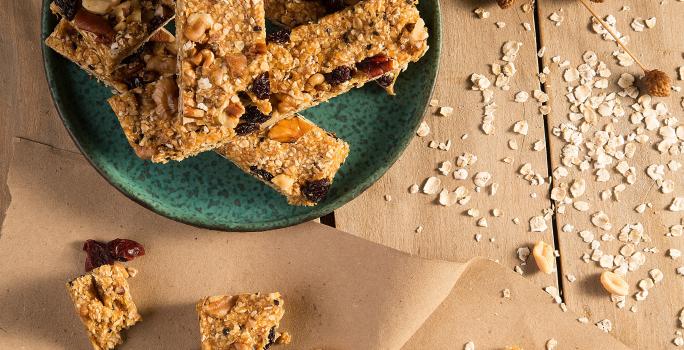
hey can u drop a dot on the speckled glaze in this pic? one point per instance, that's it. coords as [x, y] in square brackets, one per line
[208, 191]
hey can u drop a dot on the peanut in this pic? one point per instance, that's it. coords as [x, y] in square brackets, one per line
[544, 257]
[315, 80]
[198, 24]
[614, 283]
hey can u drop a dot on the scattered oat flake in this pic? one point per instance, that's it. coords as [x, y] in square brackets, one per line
[521, 127]
[522, 97]
[388, 198]
[432, 185]
[469, 346]
[551, 344]
[446, 111]
[506, 293]
[605, 325]
[677, 204]
[674, 253]
[538, 224]
[583, 320]
[413, 189]
[423, 129]
[419, 229]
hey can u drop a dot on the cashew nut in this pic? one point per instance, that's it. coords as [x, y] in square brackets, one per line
[198, 24]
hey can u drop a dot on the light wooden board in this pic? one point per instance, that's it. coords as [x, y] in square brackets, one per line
[655, 321]
[470, 45]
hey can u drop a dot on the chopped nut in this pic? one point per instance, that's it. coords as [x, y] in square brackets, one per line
[614, 283]
[544, 257]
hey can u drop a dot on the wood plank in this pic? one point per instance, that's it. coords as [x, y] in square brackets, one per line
[654, 323]
[470, 45]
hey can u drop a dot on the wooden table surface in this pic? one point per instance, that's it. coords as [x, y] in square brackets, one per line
[470, 45]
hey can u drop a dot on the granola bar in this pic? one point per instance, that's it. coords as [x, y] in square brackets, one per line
[222, 53]
[343, 50]
[241, 322]
[114, 29]
[156, 58]
[294, 156]
[291, 13]
[103, 302]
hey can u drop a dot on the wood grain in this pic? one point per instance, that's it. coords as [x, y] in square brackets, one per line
[470, 45]
[653, 325]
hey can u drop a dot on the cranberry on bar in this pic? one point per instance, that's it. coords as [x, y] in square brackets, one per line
[343, 50]
[222, 61]
[294, 156]
[114, 29]
[241, 322]
[104, 304]
[156, 58]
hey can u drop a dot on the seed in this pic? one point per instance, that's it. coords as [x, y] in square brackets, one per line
[544, 257]
[614, 283]
[656, 83]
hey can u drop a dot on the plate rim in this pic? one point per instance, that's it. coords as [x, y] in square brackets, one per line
[343, 199]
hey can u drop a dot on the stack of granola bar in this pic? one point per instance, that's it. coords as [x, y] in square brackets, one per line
[221, 84]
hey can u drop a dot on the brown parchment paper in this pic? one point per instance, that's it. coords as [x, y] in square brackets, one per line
[341, 292]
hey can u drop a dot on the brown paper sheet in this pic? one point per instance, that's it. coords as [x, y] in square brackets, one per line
[341, 292]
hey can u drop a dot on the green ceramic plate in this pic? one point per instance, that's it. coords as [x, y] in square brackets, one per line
[209, 191]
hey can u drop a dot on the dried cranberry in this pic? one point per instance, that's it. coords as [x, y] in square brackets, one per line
[69, 8]
[261, 173]
[281, 36]
[125, 249]
[339, 75]
[375, 66]
[261, 86]
[333, 5]
[385, 80]
[97, 254]
[253, 115]
[246, 128]
[316, 190]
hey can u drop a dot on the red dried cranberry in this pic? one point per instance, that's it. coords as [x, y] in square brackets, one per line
[375, 66]
[316, 190]
[385, 80]
[246, 128]
[261, 86]
[125, 249]
[339, 75]
[253, 115]
[69, 8]
[97, 254]
[281, 36]
[261, 173]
